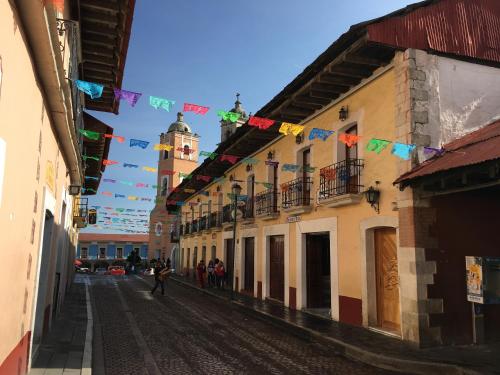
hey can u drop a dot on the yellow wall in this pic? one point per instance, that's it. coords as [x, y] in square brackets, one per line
[372, 107]
[33, 164]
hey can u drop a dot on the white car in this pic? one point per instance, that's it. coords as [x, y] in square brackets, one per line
[149, 272]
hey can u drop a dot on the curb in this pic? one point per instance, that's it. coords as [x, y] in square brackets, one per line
[348, 350]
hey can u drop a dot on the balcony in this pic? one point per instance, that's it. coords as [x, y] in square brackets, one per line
[296, 195]
[187, 229]
[340, 183]
[202, 223]
[249, 210]
[226, 214]
[80, 212]
[215, 220]
[181, 230]
[266, 204]
[194, 226]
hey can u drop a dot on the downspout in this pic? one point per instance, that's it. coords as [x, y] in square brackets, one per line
[39, 26]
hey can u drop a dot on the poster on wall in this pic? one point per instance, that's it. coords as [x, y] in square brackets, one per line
[158, 229]
[474, 272]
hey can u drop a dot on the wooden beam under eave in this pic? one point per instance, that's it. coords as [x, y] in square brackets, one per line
[350, 71]
[310, 100]
[308, 105]
[98, 76]
[104, 5]
[90, 14]
[98, 59]
[324, 94]
[336, 79]
[101, 68]
[101, 29]
[330, 88]
[108, 51]
[99, 40]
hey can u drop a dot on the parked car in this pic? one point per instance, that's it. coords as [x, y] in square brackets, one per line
[116, 271]
[100, 271]
[149, 272]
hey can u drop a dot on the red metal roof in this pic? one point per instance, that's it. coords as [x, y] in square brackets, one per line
[468, 28]
[474, 148]
[96, 237]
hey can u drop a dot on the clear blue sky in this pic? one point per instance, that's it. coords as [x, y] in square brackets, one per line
[203, 52]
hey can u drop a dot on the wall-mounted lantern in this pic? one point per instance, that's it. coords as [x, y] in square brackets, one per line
[373, 198]
[74, 189]
[343, 113]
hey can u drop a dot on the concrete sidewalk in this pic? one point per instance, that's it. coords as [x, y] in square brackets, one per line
[367, 346]
[65, 351]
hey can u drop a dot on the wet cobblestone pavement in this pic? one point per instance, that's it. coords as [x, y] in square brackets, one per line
[186, 332]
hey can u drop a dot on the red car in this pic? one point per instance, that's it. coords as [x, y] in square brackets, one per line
[116, 270]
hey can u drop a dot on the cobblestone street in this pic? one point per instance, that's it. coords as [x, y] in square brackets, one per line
[186, 332]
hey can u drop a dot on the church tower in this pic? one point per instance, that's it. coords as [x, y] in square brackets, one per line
[181, 158]
[227, 128]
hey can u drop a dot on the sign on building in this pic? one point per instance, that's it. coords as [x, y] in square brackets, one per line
[483, 279]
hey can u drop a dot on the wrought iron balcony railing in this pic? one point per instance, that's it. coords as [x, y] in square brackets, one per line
[341, 178]
[249, 208]
[202, 223]
[214, 220]
[296, 193]
[181, 229]
[194, 226]
[226, 213]
[266, 202]
[187, 228]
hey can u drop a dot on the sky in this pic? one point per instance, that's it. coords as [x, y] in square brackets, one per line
[204, 52]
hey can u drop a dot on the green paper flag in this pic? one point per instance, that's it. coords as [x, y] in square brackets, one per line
[377, 145]
[90, 134]
[231, 116]
[85, 157]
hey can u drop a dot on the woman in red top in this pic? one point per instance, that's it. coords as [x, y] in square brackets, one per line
[201, 269]
[220, 271]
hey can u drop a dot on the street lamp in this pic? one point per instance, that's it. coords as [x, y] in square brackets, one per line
[236, 191]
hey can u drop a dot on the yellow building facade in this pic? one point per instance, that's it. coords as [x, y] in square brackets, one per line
[313, 210]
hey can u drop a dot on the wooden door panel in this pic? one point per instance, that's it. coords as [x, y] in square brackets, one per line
[249, 263]
[277, 268]
[388, 309]
[314, 272]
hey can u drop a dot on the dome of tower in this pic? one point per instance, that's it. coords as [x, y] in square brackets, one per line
[238, 108]
[179, 125]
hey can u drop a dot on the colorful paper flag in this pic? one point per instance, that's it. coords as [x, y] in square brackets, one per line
[402, 150]
[149, 169]
[109, 162]
[287, 128]
[85, 157]
[157, 102]
[290, 168]
[128, 183]
[211, 155]
[319, 133]
[138, 143]
[198, 109]
[261, 123]
[132, 198]
[250, 161]
[94, 90]
[109, 180]
[127, 165]
[119, 138]
[185, 176]
[271, 163]
[230, 158]
[431, 151]
[119, 196]
[377, 145]
[185, 150]
[349, 139]
[203, 178]
[92, 178]
[107, 193]
[130, 96]
[90, 134]
[229, 116]
[162, 147]
[268, 185]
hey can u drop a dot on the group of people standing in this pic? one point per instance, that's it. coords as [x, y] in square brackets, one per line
[216, 276]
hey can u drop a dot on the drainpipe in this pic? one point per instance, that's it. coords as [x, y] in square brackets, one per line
[38, 25]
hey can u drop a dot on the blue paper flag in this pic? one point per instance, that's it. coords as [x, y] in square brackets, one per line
[403, 150]
[119, 196]
[290, 168]
[138, 143]
[319, 133]
[89, 88]
[127, 165]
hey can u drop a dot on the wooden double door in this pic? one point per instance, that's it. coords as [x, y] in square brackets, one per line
[249, 264]
[387, 279]
[277, 267]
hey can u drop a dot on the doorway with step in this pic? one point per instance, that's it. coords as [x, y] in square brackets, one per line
[318, 288]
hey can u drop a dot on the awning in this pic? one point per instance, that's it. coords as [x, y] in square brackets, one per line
[94, 148]
[477, 148]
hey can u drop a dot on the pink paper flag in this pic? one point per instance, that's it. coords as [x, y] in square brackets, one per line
[109, 162]
[198, 109]
[230, 158]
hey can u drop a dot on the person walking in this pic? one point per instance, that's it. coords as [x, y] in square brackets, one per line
[211, 274]
[159, 280]
[201, 270]
[169, 263]
[219, 274]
